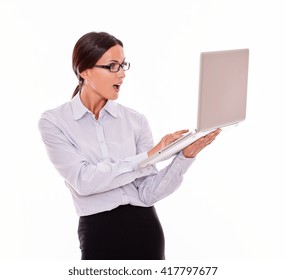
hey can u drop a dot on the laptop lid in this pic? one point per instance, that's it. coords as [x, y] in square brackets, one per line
[222, 98]
[222, 88]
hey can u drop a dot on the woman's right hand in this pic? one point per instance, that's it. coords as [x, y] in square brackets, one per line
[166, 140]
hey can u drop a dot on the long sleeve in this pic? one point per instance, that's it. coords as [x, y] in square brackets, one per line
[86, 177]
[157, 186]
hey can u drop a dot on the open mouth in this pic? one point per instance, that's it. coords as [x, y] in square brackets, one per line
[116, 87]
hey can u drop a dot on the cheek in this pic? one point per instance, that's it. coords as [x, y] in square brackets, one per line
[103, 85]
[99, 84]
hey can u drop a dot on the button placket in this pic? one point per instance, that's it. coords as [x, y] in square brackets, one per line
[102, 141]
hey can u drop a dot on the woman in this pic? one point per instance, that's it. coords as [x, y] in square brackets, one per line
[96, 145]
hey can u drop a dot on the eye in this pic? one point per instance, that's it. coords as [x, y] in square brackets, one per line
[113, 66]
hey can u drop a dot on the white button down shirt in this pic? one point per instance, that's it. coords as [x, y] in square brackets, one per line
[98, 159]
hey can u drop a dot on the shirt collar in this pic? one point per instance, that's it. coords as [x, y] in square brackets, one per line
[79, 109]
[111, 108]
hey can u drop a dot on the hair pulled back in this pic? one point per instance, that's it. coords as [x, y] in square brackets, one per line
[88, 50]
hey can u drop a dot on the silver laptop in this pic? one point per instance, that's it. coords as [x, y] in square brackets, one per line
[222, 98]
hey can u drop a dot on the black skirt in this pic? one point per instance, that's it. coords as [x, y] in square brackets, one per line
[124, 233]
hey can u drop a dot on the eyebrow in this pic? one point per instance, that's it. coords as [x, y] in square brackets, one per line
[116, 60]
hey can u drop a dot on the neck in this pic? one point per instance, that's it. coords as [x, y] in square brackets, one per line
[93, 103]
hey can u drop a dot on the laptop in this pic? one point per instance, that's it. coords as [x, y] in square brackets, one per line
[221, 101]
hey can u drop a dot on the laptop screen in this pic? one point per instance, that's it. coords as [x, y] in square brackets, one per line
[222, 88]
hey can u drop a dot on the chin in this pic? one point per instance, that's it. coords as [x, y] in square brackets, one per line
[114, 97]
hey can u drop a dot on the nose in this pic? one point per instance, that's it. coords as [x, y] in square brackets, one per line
[121, 73]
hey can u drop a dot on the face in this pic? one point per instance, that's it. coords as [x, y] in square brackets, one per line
[100, 82]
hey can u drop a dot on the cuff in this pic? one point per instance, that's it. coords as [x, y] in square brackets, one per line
[181, 163]
[137, 159]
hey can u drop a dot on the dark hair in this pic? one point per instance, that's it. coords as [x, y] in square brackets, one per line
[88, 50]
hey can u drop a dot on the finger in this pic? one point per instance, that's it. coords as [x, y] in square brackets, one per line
[217, 131]
[180, 132]
[173, 137]
[166, 136]
[202, 142]
[213, 134]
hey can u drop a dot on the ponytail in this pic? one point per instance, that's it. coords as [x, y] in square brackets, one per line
[75, 91]
[78, 87]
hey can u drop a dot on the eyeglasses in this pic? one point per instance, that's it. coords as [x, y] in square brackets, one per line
[115, 67]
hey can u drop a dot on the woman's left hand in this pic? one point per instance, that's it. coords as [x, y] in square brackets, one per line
[193, 149]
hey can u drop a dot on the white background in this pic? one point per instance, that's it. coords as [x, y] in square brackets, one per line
[231, 205]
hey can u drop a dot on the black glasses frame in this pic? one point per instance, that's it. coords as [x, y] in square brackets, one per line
[124, 65]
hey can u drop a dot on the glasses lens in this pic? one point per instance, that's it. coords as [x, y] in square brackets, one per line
[115, 67]
[125, 66]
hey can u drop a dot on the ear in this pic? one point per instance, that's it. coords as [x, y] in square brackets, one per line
[85, 74]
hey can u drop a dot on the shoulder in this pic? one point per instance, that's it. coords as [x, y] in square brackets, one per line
[129, 112]
[62, 111]
[135, 119]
